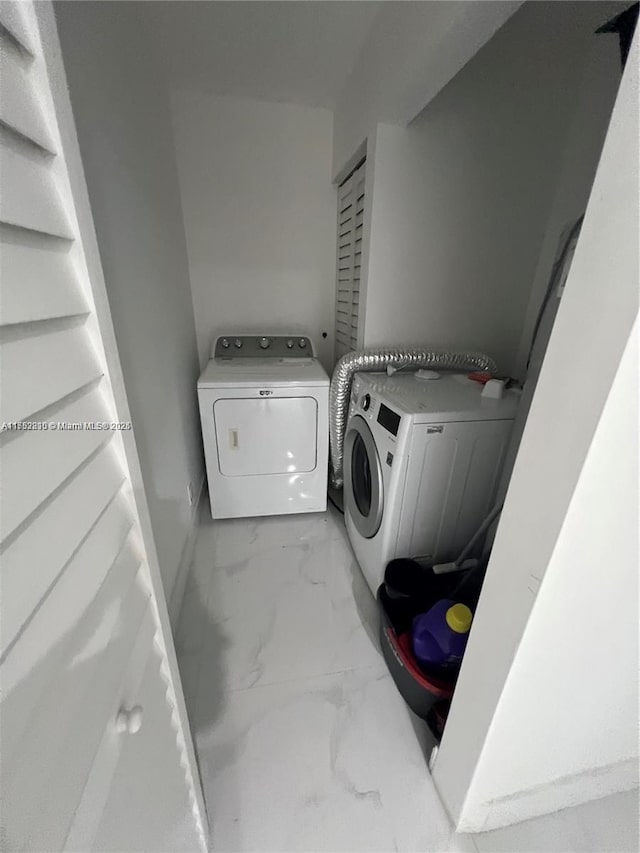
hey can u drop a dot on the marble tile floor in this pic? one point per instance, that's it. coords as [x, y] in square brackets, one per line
[303, 742]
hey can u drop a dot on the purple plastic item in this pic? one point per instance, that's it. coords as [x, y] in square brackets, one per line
[436, 645]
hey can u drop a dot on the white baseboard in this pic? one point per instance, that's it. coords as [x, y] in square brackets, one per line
[186, 558]
[546, 799]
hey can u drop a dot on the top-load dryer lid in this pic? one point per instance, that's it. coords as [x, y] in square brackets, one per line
[452, 397]
[260, 372]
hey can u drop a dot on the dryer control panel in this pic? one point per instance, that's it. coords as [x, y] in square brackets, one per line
[262, 346]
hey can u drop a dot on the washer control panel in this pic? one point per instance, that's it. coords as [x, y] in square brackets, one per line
[361, 402]
[262, 346]
[372, 409]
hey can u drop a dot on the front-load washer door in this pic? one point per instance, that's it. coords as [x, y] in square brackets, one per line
[276, 435]
[363, 486]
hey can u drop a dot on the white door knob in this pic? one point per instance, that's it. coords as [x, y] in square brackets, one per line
[129, 721]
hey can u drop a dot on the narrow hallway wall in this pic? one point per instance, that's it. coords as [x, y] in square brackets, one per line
[465, 197]
[121, 110]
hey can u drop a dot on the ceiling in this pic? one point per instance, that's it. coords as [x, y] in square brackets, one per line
[298, 52]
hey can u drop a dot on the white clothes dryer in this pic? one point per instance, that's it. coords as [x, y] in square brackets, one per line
[264, 409]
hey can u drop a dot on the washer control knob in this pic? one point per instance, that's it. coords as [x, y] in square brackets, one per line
[237, 343]
[265, 343]
[290, 344]
[302, 343]
[225, 343]
[365, 402]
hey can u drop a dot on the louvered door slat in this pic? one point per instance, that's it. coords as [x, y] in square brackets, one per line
[13, 21]
[50, 456]
[39, 280]
[30, 198]
[31, 563]
[43, 367]
[19, 108]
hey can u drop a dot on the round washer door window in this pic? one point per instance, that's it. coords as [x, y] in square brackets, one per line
[363, 487]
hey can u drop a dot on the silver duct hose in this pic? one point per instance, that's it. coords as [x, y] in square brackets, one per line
[378, 359]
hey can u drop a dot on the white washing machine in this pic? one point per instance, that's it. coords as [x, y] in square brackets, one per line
[264, 408]
[422, 460]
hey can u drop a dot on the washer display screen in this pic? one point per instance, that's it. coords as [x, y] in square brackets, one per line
[388, 419]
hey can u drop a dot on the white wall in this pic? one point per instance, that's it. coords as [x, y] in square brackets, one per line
[574, 681]
[545, 710]
[259, 212]
[123, 121]
[462, 197]
[411, 52]
[589, 120]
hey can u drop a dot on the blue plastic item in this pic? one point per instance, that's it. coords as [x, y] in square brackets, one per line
[439, 637]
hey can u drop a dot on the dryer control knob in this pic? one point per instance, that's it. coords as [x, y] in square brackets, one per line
[237, 343]
[225, 343]
[265, 343]
[290, 344]
[365, 402]
[302, 343]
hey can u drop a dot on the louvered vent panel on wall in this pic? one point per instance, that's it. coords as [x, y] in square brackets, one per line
[74, 585]
[349, 260]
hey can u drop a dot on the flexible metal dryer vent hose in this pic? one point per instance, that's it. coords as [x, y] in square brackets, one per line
[378, 359]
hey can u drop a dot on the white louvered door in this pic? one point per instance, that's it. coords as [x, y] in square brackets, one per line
[349, 261]
[84, 629]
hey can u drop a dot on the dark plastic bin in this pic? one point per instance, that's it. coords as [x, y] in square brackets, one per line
[410, 589]
[418, 690]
